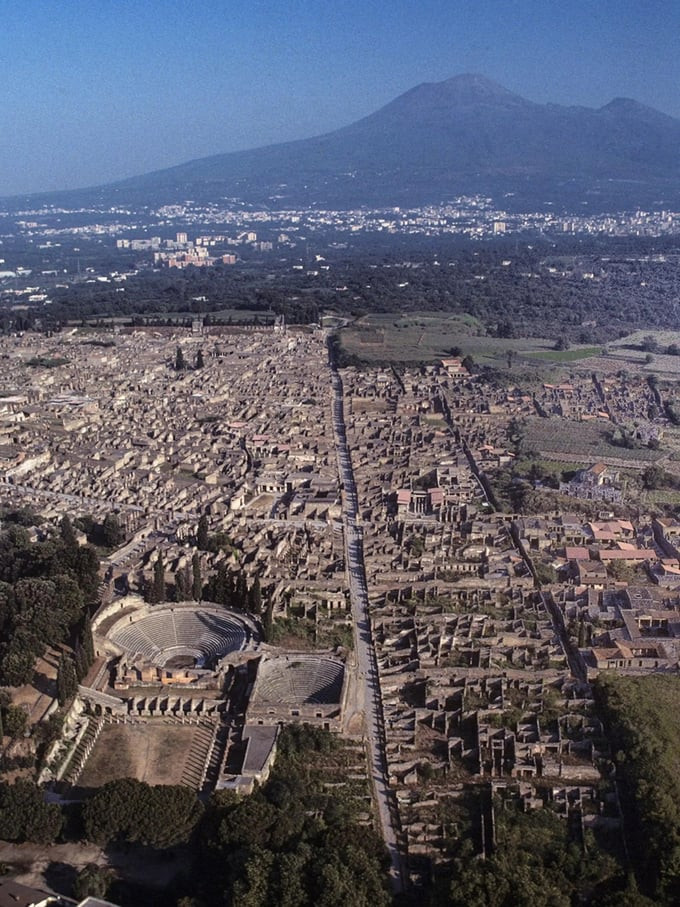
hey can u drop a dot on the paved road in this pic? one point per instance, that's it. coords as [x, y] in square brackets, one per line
[368, 681]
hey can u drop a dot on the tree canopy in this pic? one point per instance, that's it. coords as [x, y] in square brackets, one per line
[641, 717]
[130, 810]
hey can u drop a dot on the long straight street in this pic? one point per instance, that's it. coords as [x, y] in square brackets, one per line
[368, 681]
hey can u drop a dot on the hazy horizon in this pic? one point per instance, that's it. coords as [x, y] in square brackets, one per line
[97, 92]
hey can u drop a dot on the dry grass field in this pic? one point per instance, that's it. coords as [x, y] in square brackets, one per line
[154, 752]
[428, 336]
[581, 440]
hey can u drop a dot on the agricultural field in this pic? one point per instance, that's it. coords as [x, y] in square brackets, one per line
[409, 338]
[561, 439]
[428, 336]
[571, 355]
[642, 352]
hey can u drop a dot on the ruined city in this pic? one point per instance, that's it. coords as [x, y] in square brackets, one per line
[301, 544]
[340, 454]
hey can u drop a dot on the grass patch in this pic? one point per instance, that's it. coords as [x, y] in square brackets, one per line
[579, 439]
[428, 336]
[565, 355]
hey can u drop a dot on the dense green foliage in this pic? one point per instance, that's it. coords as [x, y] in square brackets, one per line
[527, 286]
[24, 815]
[291, 843]
[45, 588]
[92, 881]
[534, 864]
[107, 534]
[641, 714]
[130, 810]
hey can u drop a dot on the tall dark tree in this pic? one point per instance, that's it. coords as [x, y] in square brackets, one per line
[202, 534]
[200, 362]
[112, 534]
[241, 592]
[67, 680]
[183, 584]
[67, 533]
[157, 588]
[268, 622]
[218, 587]
[80, 661]
[197, 579]
[230, 595]
[87, 573]
[180, 363]
[255, 597]
[87, 640]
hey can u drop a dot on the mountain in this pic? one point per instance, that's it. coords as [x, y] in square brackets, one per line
[463, 136]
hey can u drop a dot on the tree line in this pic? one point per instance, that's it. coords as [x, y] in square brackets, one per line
[640, 715]
[293, 842]
[46, 590]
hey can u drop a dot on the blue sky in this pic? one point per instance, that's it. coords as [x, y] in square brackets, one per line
[99, 90]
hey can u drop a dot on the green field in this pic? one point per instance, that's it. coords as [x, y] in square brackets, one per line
[566, 355]
[429, 336]
[578, 439]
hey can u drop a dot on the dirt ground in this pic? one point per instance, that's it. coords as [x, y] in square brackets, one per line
[155, 753]
[39, 695]
[53, 868]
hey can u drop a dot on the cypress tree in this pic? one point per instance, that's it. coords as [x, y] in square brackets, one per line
[200, 362]
[268, 622]
[219, 586]
[197, 583]
[255, 597]
[230, 590]
[180, 364]
[80, 662]
[67, 680]
[67, 533]
[202, 535]
[182, 585]
[157, 590]
[241, 591]
[88, 640]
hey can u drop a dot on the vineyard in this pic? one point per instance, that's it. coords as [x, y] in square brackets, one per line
[562, 439]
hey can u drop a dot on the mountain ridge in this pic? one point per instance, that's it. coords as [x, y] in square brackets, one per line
[463, 136]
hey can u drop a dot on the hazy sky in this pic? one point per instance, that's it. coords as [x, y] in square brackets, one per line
[95, 90]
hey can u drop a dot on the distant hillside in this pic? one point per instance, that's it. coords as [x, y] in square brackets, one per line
[466, 135]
